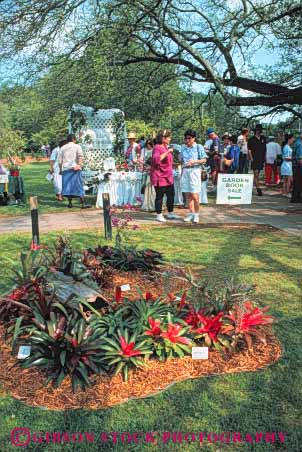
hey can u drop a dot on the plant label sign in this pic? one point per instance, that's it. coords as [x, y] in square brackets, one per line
[200, 352]
[24, 351]
[125, 287]
[234, 188]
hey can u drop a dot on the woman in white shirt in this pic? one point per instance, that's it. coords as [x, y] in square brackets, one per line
[287, 165]
[55, 170]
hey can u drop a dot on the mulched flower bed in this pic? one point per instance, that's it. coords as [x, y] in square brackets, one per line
[153, 282]
[27, 385]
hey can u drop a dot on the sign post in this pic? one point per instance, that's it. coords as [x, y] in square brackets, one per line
[33, 202]
[234, 188]
[107, 216]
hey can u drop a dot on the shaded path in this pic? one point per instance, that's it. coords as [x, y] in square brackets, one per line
[271, 209]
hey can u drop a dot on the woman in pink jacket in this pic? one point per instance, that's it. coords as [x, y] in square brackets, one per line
[162, 175]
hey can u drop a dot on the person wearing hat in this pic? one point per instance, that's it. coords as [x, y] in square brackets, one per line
[133, 151]
[257, 151]
[212, 146]
[273, 149]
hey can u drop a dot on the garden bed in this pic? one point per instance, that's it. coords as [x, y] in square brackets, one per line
[27, 385]
[134, 337]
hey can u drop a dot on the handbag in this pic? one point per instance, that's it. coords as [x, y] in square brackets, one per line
[49, 177]
[203, 173]
[227, 162]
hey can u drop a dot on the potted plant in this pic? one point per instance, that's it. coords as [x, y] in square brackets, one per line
[14, 169]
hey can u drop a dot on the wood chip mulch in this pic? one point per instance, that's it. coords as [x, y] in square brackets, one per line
[154, 282]
[26, 385]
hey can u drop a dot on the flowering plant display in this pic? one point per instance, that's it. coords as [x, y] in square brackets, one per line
[125, 334]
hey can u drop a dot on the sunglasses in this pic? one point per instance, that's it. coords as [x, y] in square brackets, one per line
[189, 138]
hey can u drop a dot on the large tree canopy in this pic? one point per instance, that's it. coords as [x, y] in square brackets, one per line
[207, 41]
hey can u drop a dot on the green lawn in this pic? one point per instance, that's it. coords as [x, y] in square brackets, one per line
[266, 401]
[34, 175]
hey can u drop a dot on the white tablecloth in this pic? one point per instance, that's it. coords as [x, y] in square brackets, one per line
[124, 187]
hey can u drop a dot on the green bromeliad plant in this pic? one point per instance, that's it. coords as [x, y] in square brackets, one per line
[168, 339]
[124, 352]
[66, 347]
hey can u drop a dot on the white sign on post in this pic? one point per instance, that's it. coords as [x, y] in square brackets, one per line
[234, 188]
[200, 353]
[24, 351]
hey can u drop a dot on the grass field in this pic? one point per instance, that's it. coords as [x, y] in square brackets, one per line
[34, 175]
[265, 401]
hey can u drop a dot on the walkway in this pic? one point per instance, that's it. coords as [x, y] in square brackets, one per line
[271, 209]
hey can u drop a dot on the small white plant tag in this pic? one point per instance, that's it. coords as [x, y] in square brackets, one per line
[24, 351]
[125, 287]
[200, 352]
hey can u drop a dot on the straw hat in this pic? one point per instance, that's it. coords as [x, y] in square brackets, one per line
[132, 135]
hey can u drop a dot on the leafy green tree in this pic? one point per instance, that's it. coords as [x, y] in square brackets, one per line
[207, 41]
[12, 143]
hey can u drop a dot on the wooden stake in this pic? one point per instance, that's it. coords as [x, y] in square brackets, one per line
[107, 216]
[33, 202]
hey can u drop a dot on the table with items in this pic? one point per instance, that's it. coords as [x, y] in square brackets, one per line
[127, 187]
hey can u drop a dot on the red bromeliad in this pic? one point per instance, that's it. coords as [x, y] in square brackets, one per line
[18, 294]
[251, 316]
[148, 296]
[155, 328]
[174, 334]
[183, 300]
[210, 325]
[171, 296]
[128, 349]
[74, 342]
[34, 246]
[194, 317]
[118, 294]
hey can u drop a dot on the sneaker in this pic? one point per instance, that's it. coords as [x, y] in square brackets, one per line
[195, 218]
[188, 218]
[161, 218]
[259, 192]
[173, 216]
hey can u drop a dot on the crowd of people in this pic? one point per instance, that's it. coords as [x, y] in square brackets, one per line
[226, 154]
[198, 164]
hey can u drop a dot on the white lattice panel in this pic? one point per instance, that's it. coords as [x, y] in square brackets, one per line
[99, 129]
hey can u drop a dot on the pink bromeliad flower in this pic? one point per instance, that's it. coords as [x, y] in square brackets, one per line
[173, 334]
[155, 328]
[249, 317]
[210, 325]
[128, 349]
